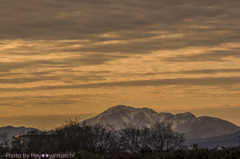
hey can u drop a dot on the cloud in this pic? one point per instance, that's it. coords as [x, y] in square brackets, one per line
[122, 48]
[216, 55]
[62, 63]
[32, 100]
[192, 71]
[197, 22]
[204, 81]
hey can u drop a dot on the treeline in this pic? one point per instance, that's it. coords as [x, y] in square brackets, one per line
[98, 139]
[104, 142]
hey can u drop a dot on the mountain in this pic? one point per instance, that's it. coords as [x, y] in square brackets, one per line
[119, 115]
[223, 140]
[12, 131]
[204, 127]
[193, 127]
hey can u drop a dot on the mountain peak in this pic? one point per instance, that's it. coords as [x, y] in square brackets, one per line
[186, 115]
[148, 110]
[116, 109]
[119, 106]
[12, 127]
[9, 126]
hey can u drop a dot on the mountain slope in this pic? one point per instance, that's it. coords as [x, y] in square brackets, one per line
[12, 131]
[204, 127]
[193, 127]
[223, 140]
[121, 114]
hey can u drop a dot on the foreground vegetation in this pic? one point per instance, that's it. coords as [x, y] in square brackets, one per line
[228, 153]
[101, 139]
[86, 141]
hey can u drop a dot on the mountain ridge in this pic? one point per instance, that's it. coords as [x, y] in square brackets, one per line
[212, 142]
[11, 131]
[193, 127]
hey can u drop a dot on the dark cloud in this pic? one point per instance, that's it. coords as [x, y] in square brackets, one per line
[184, 72]
[48, 100]
[201, 23]
[216, 55]
[48, 47]
[204, 81]
[76, 61]
[54, 78]
[200, 71]
[211, 71]
[26, 80]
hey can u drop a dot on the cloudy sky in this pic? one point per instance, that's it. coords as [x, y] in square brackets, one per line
[67, 58]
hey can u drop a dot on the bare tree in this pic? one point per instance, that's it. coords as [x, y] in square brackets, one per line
[159, 136]
[100, 138]
[70, 136]
[131, 137]
[4, 143]
[75, 136]
[146, 140]
[164, 138]
[239, 138]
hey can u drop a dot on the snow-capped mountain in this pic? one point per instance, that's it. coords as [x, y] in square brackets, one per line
[193, 127]
[121, 114]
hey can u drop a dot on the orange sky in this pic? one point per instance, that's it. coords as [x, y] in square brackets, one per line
[62, 59]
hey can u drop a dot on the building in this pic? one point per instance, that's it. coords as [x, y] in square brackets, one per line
[192, 146]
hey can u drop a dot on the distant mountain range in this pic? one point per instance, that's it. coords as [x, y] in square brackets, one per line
[193, 127]
[12, 131]
[223, 140]
[205, 131]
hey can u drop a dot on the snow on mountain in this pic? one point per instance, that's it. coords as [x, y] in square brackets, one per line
[205, 127]
[120, 115]
[180, 121]
[192, 126]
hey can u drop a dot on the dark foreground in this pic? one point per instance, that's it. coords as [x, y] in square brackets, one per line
[228, 153]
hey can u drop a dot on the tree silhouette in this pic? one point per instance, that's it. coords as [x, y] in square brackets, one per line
[159, 137]
[239, 139]
[4, 143]
[76, 135]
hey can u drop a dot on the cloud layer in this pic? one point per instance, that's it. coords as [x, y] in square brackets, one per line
[85, 56]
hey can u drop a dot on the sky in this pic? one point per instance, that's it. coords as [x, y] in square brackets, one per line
[65, 58]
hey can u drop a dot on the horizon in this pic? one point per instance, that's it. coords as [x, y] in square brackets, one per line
[60, 119]
[61, 59]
